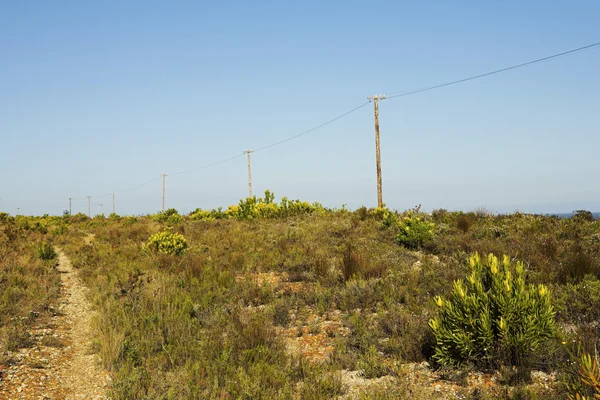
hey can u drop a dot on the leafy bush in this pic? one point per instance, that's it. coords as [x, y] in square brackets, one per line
[45, 251]
[414, 232]
[493, 317]
[167, 243]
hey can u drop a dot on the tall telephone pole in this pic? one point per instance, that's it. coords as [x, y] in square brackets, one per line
[163, 192]
[375, 100]
[249, 173]
[113, 202]
[70, 198]
[89, 207]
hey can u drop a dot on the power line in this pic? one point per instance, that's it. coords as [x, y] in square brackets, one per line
[393, 95]
[208, 165]
[311, 129]
[276, 143]
[137, 186]
[243, 153]
[539, 60]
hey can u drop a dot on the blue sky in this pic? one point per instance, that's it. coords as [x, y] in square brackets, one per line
[97, 97]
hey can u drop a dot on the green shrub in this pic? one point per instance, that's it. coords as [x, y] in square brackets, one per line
[45, 251]
[167, 243]
[170, 215]
[493, 318]
[130, 220]
[414, 232]
[205, 215]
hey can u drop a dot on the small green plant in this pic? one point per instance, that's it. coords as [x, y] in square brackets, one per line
[492, 318]
[167, 243]
[45, 251]
[414, 232]
[586, 385]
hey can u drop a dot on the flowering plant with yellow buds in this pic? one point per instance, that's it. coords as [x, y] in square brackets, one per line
[166, 243]
[414, 231]
[259, 207]
[492, 317]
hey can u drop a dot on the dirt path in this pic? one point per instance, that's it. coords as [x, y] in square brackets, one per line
[59, 364]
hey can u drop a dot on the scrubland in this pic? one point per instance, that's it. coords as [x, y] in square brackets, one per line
[291, 300]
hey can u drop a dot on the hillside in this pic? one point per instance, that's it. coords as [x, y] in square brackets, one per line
[302, 302]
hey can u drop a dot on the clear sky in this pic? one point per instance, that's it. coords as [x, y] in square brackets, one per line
[97, 97]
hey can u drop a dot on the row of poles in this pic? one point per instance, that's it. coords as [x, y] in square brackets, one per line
[375, 99]
[102, 205]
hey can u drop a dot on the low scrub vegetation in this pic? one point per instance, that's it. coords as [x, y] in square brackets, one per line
[29, 282]
[291, 300]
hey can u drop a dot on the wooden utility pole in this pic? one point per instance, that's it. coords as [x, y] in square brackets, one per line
[70, 198]
[89, 207]
[249, 173]
[375, 100]
[163, 192]
[113, 202]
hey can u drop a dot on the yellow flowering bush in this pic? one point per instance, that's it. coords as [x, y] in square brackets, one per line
[167, 243]
[414, 231]
[253, 208]
[492, 317]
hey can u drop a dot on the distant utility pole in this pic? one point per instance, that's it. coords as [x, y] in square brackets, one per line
[113, 202]
[101, 208]
[70, 198]
[163, 192]
[249, 173]
[89, 207]
[375, 100]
